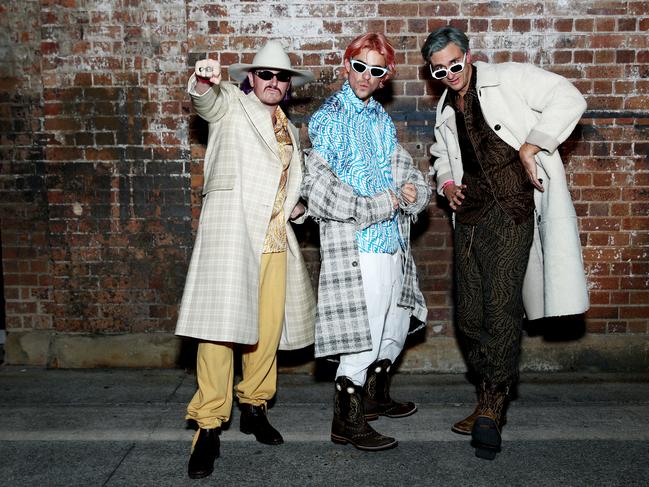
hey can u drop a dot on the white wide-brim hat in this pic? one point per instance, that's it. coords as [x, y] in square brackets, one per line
[271, 56]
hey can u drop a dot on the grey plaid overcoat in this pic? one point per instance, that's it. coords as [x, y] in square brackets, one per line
[342, 324]
[242, 172]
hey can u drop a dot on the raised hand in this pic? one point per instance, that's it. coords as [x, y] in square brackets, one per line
[208, 70]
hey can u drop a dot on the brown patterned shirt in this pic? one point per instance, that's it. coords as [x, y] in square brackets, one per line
[493, 172]
[276, 234]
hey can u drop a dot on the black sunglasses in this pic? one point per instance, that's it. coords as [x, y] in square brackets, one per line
[375, 71]
[283, 76]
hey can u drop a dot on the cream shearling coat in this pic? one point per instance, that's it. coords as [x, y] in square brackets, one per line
[241, 176]
[523, 103]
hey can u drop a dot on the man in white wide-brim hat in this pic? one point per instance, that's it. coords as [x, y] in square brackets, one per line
[247, 283]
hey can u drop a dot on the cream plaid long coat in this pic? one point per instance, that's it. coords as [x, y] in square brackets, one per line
[342, 325]
[241, 176]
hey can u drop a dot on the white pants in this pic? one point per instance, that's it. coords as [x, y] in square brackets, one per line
[382, 283]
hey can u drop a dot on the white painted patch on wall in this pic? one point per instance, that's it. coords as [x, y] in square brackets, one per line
[77, 209]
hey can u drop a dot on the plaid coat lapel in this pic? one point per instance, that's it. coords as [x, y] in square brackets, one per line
[262, 122]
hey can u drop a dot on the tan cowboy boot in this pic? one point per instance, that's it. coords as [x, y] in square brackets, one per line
[485, 434]
[464, 426]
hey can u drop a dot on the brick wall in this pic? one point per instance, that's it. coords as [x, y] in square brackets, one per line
[102, 156]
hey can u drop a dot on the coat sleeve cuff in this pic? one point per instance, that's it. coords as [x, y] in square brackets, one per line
[542, 140]
[378, 208]
[441, 180]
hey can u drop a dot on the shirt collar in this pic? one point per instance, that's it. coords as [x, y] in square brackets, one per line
[357, 104]
[451, 98]
[280, 119]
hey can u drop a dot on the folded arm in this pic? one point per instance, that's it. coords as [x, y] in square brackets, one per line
[329, 198]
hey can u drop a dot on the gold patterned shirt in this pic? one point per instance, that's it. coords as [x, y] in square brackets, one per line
[276, 234]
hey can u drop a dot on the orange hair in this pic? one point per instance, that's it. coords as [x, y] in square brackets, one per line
[374, 41]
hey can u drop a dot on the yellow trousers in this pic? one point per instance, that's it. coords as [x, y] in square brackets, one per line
[212, 403]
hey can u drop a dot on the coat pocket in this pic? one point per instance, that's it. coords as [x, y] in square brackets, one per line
[220, 182]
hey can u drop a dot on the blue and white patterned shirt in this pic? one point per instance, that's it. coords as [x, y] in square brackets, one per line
[357, 140]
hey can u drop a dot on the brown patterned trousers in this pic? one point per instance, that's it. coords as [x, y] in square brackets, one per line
[490, 263]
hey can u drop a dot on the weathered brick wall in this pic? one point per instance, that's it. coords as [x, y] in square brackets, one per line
[101, 154]
[23, 194]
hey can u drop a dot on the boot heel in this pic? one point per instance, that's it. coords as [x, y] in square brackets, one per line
[485, 453]
[486, 438]
[339, 440]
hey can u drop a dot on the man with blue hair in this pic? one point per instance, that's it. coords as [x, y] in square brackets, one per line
[516, 242]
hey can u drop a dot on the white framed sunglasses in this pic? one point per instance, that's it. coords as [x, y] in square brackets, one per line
[375, 71]
[442, 73]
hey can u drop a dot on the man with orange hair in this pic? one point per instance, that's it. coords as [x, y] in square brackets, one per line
[364, 190]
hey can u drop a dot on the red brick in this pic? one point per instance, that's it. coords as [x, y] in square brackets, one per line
[398, 9]
[395, 26]
[617, 327]
[628, 24]
[497, 25]
[634, 312]
[521, 25]
[595, 326]
[604, 24]
[638, 326]
[585, 57]
[584, 25]
[638, 8]
[445, 8]
[608, 312]
[336, 27]
[562, 57]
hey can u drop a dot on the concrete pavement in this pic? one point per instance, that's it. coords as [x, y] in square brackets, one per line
[125, 428]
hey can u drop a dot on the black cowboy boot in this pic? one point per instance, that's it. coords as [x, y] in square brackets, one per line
[486, 430]
[255, 421]
[376, 398]
[205, 451]
[349, 424]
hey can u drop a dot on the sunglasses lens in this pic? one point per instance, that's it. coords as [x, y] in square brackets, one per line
[265, 75]
[283, 76]
[456, 68]
[439, 74]
[358, 66]
[378, 72]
